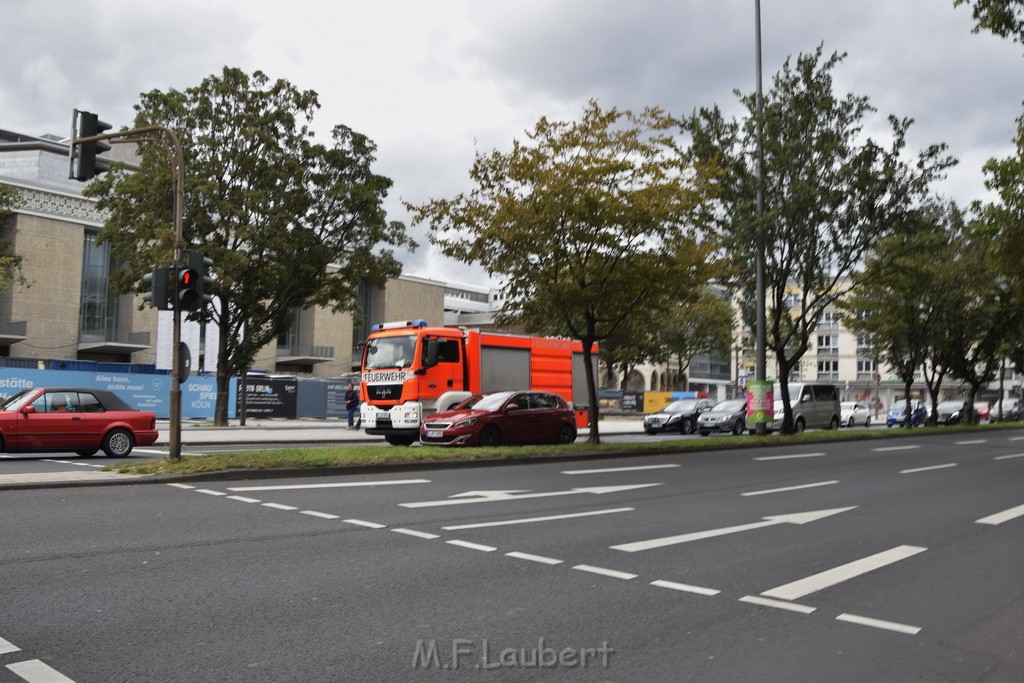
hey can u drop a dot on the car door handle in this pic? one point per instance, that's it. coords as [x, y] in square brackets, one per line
[76, 417]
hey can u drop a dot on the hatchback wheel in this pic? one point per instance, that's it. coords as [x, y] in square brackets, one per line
[566, 434]
[117, 443]
[490, 436]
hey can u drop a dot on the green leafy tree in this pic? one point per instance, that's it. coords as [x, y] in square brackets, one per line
[904, 298]
[1004, 18]
[829, 193]
[288, 222]
[703, 326]
[590, 223]
[10, 263]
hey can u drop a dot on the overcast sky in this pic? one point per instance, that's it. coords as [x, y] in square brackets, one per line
[434, 81]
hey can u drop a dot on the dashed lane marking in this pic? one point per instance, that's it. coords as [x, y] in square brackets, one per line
[530, 520]
[333, 485]
[211, 492]
[1009, 457]
[182, 486]
[614, 573]
[790, 488]
[879, 623]
[321, 515]
[970, 443]
[368, 525]
[243, 499]
[928, 469]
[472, 546]
[620, 469]
[416, 534]
[886, 449]
[6, 647]
[278, 506]
[777, 604]
[1004, 516]
[685, 587]
[533, 558]
[794, 456]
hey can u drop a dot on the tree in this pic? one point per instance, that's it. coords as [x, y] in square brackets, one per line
[590, 223]
[288, 222]
[704, 326]
[829, 192]
[10, 263]
[904, 298]
[1004, 18]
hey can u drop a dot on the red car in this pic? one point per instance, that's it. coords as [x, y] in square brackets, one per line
[505, 417]
[73, 419]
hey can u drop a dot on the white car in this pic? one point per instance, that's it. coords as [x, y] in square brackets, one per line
[855, 414]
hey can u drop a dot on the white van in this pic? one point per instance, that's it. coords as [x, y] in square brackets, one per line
[815, 406]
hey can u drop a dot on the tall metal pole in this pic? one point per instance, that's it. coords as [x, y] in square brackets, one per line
[760, 340]
[174, 440]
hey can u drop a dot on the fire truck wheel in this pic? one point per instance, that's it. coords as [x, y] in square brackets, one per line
[490, 436]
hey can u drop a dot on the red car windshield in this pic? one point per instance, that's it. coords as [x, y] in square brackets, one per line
[18, 400]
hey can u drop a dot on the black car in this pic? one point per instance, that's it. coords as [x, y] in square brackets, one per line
[951, 412]
[678, 416]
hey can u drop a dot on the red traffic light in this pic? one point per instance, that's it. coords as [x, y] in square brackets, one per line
[187, 277]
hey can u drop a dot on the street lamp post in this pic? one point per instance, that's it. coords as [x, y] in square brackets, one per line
[761, 358]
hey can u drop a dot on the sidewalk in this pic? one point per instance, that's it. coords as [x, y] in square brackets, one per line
[317, 431]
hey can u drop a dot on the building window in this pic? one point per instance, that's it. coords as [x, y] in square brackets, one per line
[828, 369]
[97, 319]
[865, 341]
[288, 341]
[791, 299]
[828, 342]
[829, 321]
[865, 368]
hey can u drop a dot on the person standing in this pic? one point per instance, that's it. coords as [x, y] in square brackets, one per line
[351, 404]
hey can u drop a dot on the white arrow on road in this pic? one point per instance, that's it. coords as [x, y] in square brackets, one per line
[497, 496]
[795, 518]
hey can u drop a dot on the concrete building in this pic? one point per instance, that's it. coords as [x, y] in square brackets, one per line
[65, 309]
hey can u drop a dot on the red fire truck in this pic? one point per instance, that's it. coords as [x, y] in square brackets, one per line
[410, 371]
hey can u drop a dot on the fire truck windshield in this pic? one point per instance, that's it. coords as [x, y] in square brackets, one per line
[389, 352]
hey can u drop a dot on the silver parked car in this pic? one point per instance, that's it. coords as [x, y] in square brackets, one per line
[729, 417]
[855, 414]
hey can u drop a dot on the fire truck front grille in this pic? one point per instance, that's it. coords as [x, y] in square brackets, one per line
[384, 392]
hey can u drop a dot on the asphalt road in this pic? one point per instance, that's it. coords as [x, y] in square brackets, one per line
[891, 560]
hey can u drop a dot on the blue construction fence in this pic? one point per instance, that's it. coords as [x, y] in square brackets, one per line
[146, 388]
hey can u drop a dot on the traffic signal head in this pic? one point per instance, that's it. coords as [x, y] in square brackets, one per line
[159, 288]
[201, 265]
[89, 166]
[189, 295]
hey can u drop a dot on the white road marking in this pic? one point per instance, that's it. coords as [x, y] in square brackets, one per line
[1009, 457]
[500, 496]
[928, 469]
[795, 518]
[686, 588]
[210, 492]
[150, 451]
[243, 499]
[621, 469]
[417, 534]
[278, 506]
[970, 443]
[836, 575]
[182, 486]
[7, 457]
[1017, 438]
[6, 647]
[878, 623]
[533, 558]
[530, 520]
[886, 449]
[1004, 516]
[615, 574]
[790, 457]
[321, 515]
[62, 462]
[368, 525]
[472, 546]
[765, 602]
[36, 671]
[791, 488]
[345, 484]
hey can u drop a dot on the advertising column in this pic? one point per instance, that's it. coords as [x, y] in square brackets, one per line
[760, 401]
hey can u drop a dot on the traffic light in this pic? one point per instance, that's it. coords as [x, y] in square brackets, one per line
[188, 289]
[158, 288]
[201, 265]
[89, 165]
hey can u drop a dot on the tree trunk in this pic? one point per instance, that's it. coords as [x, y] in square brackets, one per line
[588, 369]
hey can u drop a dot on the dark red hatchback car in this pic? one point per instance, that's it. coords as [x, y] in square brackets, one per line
[505, 417]
[73, 419]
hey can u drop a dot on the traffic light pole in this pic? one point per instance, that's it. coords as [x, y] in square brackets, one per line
[178, 161]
